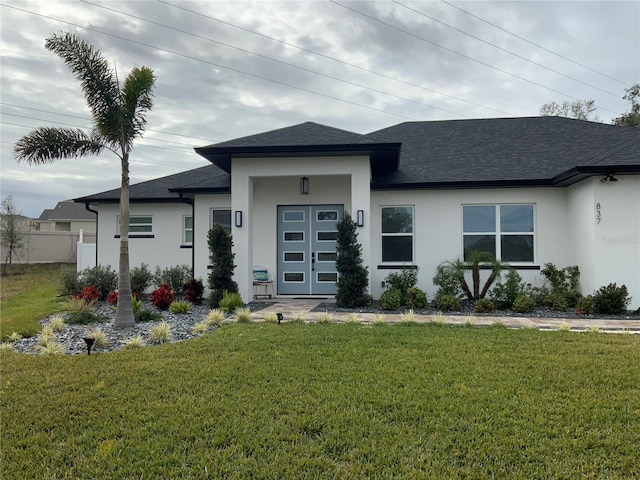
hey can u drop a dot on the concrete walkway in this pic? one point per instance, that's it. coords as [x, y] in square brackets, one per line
[302, 308]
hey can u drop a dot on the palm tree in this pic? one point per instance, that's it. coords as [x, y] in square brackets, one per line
[118, 119]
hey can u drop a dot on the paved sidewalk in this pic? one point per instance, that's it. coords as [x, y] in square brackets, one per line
[291, 308]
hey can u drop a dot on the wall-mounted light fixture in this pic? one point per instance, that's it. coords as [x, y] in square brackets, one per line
[360, 218]
[238, 218]
[304, 185]
[609, 177]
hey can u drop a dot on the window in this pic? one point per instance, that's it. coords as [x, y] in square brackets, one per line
[397, 234]
[187, 230]
[505, 231]
[221, 217]
[138, 225]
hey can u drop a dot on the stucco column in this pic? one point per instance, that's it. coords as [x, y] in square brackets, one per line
[361, 200]
[242, 201]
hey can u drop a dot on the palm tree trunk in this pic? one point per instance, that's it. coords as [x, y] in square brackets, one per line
[124, 310]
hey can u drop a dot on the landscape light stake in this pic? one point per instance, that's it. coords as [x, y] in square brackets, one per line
[280, 317]
[89, 341]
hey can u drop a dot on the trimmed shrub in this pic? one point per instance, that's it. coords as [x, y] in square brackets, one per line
[141, 279]
[69, 282]
[230, 301]
[484, 305]
[611, 300]
[559, 302]
[504, 294]
[162, 297]
[353, 277]
[146, 315]
[448, 303]
[84, 318]
[563, 283]
[524, 304]
[391, 299]
[102, 277]
[416, 298]
[222, 257]
[175, 277]
[402, 281]
[89, 293]
[112, 298]
[180, 306]
[447, 280]
[585, 305]
[193, 291]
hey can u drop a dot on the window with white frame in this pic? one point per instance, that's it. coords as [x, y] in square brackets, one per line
[397, 234]
[138, 225]
[505, 231]
[187, 230]
[221, 217]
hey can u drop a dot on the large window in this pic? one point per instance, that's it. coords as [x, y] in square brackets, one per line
[505, 231]
[397, 234]
[221, 217]
[138, 225]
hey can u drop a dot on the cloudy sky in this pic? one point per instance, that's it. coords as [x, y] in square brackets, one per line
[230, 69]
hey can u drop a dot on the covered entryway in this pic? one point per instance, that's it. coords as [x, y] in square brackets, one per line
[307, 249]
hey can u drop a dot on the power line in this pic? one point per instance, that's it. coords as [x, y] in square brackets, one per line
[82, 118]
[507, 51]
[337, 60]
[80, 126]
[535, 44]
[348, 82]
[460, 54]
[368, 107]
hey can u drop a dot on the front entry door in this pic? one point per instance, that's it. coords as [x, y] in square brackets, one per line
[307, 249]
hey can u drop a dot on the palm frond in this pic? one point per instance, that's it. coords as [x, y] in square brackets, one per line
[47, 144]
[136, 101]
[96, 77]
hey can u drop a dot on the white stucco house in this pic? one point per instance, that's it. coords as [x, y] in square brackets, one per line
[529, 190]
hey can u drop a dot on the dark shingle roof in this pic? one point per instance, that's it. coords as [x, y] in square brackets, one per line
[441, 154]
[161, 189]
[506, 151]
[66, 210]
[303, 140]
[304, 134]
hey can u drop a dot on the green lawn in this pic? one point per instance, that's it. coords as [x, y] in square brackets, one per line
[27, 295]
[330, 401]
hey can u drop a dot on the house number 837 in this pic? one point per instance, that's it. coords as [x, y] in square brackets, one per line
[598, 213]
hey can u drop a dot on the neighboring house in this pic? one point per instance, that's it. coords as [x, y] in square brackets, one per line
[67, 216]
[529, 190]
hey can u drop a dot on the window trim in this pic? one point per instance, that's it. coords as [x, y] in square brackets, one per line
[148, 234]
[400, 234]
[185, 230]
[498, 234]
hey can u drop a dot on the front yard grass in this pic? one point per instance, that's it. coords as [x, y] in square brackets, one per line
[330, 401]
[28, 294]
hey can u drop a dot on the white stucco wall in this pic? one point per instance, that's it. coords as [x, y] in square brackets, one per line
[259, 185]
[163, 250]
[617, 236]
[203, 206]
[438, 227]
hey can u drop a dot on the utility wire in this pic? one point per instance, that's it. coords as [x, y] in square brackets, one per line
[461, 54]
[368, 107]
[533, 43]
[315, 72]
[505, 50]
[82, 118]
[337, 60]
[86, 118]
[83, 127]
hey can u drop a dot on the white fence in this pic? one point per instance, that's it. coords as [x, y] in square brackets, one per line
[50, 247]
